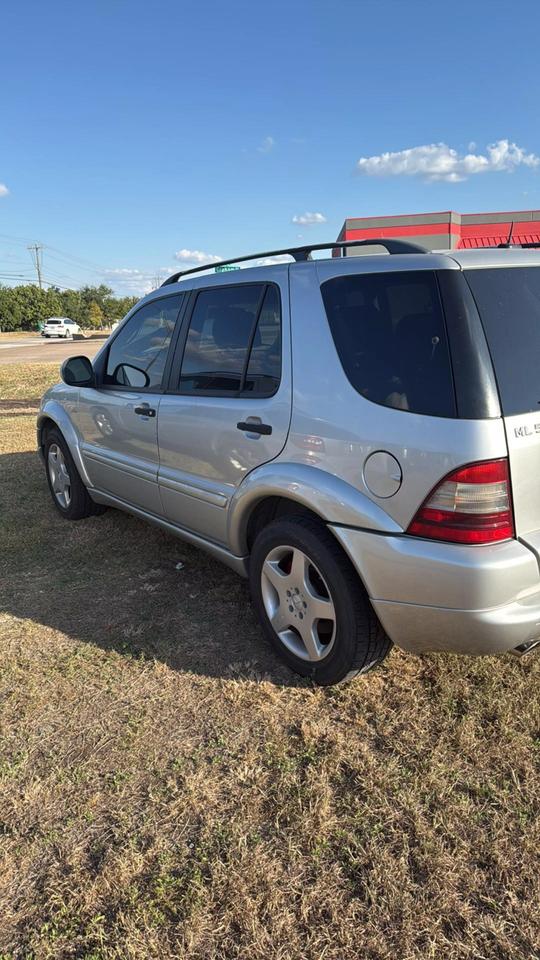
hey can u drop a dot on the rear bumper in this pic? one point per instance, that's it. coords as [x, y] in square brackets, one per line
[423, 629]
[447, 597]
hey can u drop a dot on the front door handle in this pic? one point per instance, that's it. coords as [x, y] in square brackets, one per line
[249, 427]
[144, 411]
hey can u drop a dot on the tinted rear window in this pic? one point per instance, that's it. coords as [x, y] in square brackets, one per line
[390, 335]
[508, 300]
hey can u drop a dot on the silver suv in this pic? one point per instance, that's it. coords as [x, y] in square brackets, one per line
[359, 435]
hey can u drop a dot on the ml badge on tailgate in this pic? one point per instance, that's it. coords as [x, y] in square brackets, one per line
[527, 430]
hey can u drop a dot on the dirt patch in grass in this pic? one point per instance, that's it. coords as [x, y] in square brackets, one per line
[168, 790]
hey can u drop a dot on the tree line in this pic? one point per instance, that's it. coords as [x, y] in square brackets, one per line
[26, 306]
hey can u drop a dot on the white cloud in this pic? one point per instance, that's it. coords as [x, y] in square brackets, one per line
[123, 272]
[3, 190]
[196, 257]
[438, 161]
[308, 219]
[267, 145]
[270, 261]
[133, 282]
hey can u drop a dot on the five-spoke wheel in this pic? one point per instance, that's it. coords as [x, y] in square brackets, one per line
[60, 479]
[311, 602]
[298, 603]
[70, 496]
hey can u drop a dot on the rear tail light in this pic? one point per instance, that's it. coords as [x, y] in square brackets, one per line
[470, 505]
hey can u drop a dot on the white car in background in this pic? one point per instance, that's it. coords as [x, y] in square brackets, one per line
[60, 327]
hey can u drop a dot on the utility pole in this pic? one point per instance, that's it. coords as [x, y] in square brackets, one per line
[35, 253]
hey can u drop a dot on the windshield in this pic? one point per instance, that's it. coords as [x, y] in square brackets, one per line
[508, 300]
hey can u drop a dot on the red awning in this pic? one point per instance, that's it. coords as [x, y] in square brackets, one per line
[467, 243]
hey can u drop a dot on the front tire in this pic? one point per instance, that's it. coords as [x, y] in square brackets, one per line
[311, 603]
[69, 494]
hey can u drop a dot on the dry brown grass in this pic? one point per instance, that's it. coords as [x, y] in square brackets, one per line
[22, 384]
[168, 790]
[6, 336]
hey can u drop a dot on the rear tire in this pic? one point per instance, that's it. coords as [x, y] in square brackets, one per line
[68, 492]
[311, 603]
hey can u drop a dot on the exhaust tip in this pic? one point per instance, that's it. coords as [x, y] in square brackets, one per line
[527, 647]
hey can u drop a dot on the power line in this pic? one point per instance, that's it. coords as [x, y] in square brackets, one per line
[70, 258]
[60, 275]
[16, 281]
[79, 261]
[53, 283]
[9, 236]
[61, 262]
[22, 279]
[16, 276]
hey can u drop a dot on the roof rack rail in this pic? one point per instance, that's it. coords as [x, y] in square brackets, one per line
[304, 253]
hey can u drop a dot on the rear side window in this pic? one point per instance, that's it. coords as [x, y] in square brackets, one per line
[264, 367]
[390, 335]
[508, 300]
[233, 344]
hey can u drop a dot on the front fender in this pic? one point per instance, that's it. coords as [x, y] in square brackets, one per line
[334, 500]
[52, 410]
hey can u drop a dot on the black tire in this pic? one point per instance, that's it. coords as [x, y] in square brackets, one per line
[80, 503]
[359, 642]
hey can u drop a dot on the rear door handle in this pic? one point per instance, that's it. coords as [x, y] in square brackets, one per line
[248, 427]
[144, 411]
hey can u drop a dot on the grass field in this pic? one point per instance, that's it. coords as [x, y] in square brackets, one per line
[168, 790]
[22, 384]
[5, 336]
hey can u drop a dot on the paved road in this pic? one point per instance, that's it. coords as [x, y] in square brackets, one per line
[39, 350]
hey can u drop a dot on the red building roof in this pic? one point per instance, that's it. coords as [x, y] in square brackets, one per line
[449, 229]
[494, 241]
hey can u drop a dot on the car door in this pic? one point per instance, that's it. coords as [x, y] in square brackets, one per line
[117, 421]
[228, 406]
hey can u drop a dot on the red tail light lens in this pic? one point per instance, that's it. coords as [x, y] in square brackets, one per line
[470, 505]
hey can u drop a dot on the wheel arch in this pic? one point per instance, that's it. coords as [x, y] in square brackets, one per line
[53, 415]
[44, 424]
[272, 508]
[284, 488]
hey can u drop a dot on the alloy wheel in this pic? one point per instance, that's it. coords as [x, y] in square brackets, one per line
[59, 475]
[298, 603]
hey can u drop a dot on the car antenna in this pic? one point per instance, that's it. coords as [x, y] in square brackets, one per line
[508, 242]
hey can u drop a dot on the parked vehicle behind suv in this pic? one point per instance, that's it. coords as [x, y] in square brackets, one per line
[358, 435]
[60, 327]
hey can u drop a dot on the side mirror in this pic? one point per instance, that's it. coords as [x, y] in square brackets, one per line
[78, 372]
[126, 375]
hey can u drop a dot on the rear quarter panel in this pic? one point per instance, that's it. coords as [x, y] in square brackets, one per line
[335, 429]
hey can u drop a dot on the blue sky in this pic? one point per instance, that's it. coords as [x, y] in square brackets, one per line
[131, 131]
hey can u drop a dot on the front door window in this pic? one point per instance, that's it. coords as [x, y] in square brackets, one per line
[138, 353]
